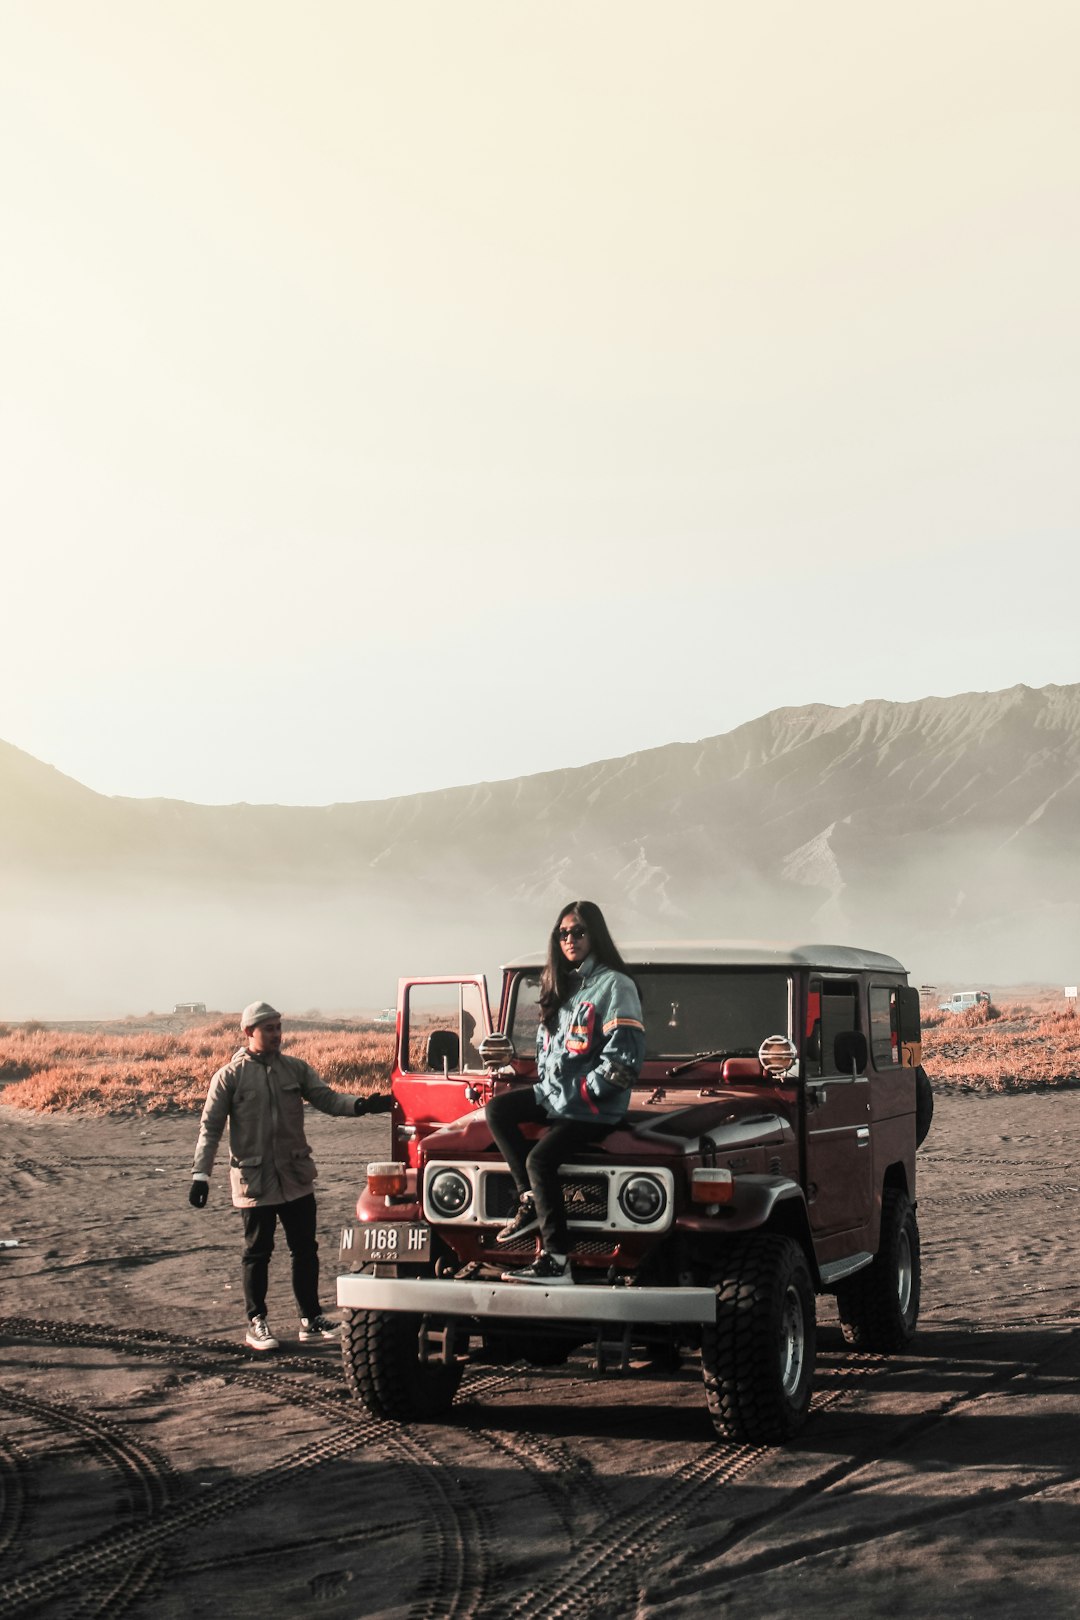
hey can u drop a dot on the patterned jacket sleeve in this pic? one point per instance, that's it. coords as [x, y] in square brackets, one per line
[623, 1051]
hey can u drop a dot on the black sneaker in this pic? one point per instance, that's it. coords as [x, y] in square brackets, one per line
[523, 1220]
[545, 1269]
[319, 1327]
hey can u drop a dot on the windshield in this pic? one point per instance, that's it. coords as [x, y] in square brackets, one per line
[686, 1010]
[711, 1010]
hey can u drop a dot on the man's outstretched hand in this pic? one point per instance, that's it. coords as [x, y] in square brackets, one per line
[377, 1102]
[198, 1193]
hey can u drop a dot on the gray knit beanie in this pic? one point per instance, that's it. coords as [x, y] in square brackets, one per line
[257, 1013]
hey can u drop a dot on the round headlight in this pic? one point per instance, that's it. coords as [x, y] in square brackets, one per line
[449, 1193]
[642, 1198]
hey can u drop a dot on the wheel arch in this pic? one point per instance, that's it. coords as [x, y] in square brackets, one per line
[784, 1213]
[896, 1177]
[789, 1218]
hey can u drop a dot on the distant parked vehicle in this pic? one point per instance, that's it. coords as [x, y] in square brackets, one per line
[961, 1000]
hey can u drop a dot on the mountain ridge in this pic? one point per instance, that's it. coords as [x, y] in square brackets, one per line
[944, 830]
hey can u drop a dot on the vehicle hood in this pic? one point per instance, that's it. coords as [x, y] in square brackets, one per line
[726, 1120]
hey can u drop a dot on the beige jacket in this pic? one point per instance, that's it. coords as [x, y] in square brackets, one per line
[263, 1104]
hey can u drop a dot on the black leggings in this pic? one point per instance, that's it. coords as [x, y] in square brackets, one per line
[535, 1165]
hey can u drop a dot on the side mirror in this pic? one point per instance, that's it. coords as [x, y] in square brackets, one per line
[496, 1050]
[850, 1052]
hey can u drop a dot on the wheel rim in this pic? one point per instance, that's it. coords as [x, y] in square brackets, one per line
[904, 1272]
[792, 1342]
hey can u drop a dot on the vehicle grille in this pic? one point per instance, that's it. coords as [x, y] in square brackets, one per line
[500, 1196]
[592, 1197]
[603, 1245]
[585, 1197]
[521, 1245]
[527, 1246]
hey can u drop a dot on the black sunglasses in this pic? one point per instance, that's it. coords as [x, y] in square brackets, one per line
[572, 933]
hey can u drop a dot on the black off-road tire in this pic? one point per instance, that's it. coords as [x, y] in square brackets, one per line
[383, 1369]
[757, 1360]
[879, 1307]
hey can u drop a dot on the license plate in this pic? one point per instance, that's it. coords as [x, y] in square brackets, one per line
[385, 1240]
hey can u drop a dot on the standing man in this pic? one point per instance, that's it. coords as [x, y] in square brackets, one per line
[261, 1095]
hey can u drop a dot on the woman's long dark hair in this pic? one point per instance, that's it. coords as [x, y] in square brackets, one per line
[555, 979]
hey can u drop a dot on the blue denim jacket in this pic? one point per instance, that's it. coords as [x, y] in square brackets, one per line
[587, 1067]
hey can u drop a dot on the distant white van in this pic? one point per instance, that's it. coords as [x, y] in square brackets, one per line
[961, 1000]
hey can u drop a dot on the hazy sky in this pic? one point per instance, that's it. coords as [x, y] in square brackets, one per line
[398, 396]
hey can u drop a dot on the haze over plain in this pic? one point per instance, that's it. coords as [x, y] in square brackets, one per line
[395, 399]
[946, 832]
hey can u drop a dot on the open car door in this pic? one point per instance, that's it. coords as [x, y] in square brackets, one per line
[438, 1075]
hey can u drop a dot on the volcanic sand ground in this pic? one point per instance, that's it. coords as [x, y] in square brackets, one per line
[149, 1465]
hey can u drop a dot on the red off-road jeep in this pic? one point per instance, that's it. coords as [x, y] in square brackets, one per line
[768, 1156]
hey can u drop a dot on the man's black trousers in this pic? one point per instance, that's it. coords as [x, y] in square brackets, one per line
[535, 1165]
[298, 1221]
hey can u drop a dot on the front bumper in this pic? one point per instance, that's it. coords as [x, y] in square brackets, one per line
[430, 1296]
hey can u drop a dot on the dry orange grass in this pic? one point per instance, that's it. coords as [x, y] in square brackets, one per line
[1014, 1046]
[351, 1062]
[151, 1072]
[1010, 1047]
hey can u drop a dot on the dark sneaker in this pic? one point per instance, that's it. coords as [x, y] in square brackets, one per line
[522, 1221]
[545, 1269]
[259, 1336]
[319, 1327]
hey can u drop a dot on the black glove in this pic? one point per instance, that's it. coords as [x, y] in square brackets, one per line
[379, 1102]
[198, 1193]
